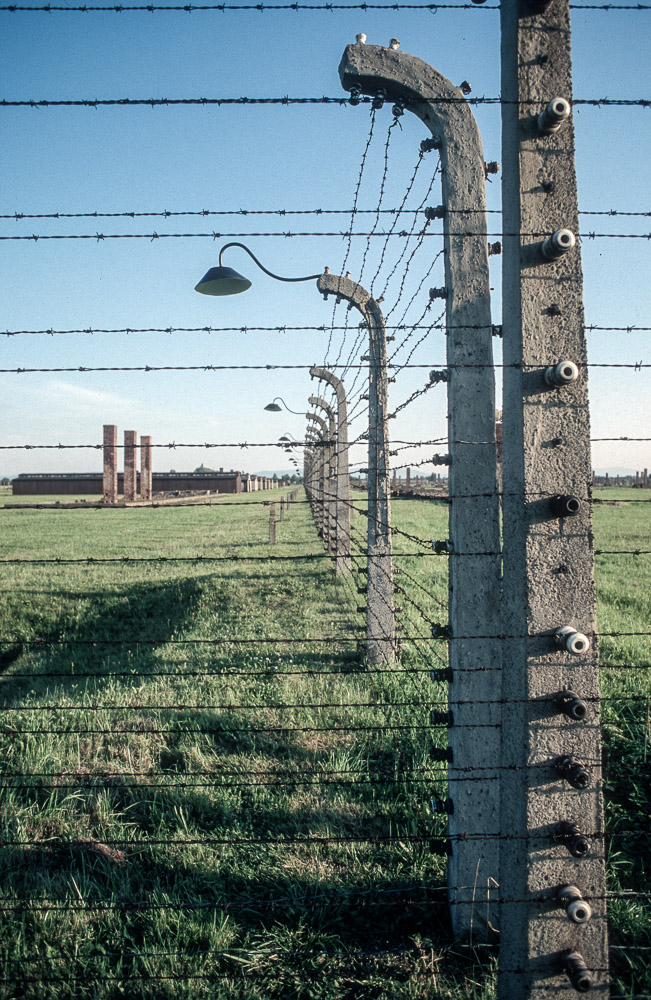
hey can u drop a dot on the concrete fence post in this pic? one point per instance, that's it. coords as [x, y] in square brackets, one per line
[313, 473]
[552, 811]
[343, 560]
[380, 611]
[282, 508]
[272, 524]
[110, 477]
[475, 623]
[130, 473]
[331, 497]
[325, 474]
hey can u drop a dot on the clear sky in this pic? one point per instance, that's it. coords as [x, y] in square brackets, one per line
[263, 158]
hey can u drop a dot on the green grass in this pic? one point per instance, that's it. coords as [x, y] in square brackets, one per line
[153, 736]
[624, 605]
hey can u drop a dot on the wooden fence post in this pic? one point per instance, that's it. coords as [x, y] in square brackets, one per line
[272, 524]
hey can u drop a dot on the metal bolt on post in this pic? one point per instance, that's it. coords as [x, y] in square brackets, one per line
[551, 803]
[473, 866]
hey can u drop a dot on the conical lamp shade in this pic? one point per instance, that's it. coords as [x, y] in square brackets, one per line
[273, 407]
[222, 281]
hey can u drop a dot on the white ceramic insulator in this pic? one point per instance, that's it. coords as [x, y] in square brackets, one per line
[558, 244]
[574, 642]
[561, 374]
[557, 111]
[579, 911]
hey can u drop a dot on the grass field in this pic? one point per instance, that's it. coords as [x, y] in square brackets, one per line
[224, 706]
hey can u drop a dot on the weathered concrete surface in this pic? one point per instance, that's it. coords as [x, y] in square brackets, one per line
[343, 560]
[548, 561]
[380, 614]
[110, 477]
[473, 868]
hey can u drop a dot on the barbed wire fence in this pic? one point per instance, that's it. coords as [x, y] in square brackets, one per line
[390, 752]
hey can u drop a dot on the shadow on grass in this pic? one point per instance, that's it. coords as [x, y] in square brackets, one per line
[356, 897]
[134, 617]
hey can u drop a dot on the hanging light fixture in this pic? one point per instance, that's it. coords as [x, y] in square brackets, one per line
[222, 280]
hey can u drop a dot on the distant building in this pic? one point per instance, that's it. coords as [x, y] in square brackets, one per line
[90, 483]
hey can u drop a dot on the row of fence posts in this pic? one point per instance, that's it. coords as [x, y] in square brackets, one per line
[525, 837]
[284, 503]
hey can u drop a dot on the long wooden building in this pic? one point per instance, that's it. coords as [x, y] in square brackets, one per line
[90, 483]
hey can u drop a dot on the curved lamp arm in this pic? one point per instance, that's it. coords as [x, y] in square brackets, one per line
[309, 277]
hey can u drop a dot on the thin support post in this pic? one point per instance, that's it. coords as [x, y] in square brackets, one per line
[272, 524]
[474, 574]
[551, 786]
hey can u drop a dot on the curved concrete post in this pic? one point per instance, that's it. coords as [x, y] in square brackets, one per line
[343, 561]
[473, 868]
[380, 613]
[313, 456]
[324, 476]
[331, 491]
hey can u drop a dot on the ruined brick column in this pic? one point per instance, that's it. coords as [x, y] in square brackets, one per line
[145, 467]
[130, 445]
[110, 479]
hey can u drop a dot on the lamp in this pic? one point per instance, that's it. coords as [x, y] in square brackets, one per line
[225, 281]
[274, 408]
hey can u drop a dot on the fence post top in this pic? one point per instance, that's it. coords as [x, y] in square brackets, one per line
[346, 288]
[406, 78]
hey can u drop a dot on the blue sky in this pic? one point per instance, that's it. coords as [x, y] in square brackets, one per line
[254, 158]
